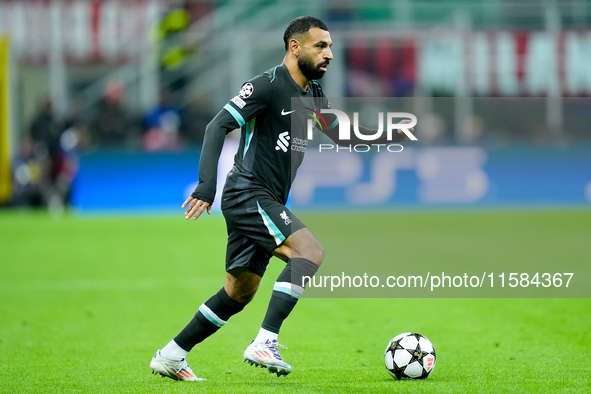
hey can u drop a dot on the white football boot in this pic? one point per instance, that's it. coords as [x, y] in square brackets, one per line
[267, 356]
[176, 370]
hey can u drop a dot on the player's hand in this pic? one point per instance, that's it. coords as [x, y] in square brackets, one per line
[403, 136]
[195, 208]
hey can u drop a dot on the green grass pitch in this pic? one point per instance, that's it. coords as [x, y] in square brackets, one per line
[86, 301]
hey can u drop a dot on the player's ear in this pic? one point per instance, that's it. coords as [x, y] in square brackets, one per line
[294, 47]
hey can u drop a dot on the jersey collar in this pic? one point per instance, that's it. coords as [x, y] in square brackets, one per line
[293, 83]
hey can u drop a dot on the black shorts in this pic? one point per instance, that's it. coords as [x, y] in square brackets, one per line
[256, 227]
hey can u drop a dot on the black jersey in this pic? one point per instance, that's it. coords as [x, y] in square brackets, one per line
[273, 139]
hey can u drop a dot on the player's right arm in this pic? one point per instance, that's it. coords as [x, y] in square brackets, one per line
[215, 134]
[252, 100]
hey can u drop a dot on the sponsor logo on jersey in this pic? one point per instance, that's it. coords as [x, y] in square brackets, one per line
[283, 141]
[239, 102]
[297, 144]
[285, 218]
[246, 90]
[284, 112]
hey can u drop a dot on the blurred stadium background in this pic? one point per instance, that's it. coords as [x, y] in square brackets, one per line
[103, 105]
[105, 100]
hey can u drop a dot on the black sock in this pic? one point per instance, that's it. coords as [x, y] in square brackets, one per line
[210, 317]
[286, 292]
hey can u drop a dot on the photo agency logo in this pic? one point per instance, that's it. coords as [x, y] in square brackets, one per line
[376, 139]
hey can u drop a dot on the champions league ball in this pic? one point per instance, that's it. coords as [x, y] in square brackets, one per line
[410, 356]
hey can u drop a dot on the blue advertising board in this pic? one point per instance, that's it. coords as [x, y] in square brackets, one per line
[428, 176]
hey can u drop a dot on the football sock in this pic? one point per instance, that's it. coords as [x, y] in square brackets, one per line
[265, 335]
[210, 317]
[173, 351]
[286, 292]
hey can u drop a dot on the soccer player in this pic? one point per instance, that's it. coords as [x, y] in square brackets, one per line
[253, 202]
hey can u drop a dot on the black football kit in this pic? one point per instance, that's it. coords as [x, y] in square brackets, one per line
[272, 110]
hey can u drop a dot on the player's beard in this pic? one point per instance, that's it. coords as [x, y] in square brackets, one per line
[309, 69]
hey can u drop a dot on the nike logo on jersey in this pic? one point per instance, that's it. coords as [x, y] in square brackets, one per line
[286, 113]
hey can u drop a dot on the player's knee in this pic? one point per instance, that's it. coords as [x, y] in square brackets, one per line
[315, 254]
[309, 248]
[241, 285]
[320, 255]
[246, 297]
[243, 296]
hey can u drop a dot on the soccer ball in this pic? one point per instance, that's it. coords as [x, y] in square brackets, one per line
[410, 355]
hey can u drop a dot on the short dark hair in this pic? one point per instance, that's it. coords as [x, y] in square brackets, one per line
[301, 25]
